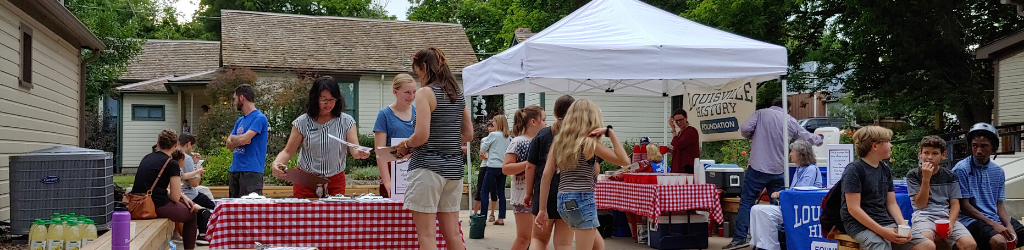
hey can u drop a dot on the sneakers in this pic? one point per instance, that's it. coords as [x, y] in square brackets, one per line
[201, 240]
[177, 239]
[736, 244]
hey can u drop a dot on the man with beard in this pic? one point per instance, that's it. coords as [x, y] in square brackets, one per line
[248, 141]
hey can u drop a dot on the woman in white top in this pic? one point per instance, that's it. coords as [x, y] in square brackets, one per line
[492, 148]
[528, 121]
[321, 155]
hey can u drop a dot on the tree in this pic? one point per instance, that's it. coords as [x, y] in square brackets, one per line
[210, 9]
[914, 56]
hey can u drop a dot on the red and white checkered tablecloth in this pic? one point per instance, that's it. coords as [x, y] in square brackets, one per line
[650, 199]
[325, 225]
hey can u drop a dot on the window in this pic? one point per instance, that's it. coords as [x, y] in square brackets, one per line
[147, 112]
[350, 90]
[26, 57]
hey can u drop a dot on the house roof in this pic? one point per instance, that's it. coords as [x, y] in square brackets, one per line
[272, 40]
[523, 33]
[58, 19]
[1002, 46]
[173, 57]
[163, 84]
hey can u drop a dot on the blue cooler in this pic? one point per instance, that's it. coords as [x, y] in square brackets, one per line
[680, 230]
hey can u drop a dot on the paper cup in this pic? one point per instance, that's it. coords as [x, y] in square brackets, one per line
[903, 230]
[689, 179]
[1011, 244]
[942, 228]
[133, 229]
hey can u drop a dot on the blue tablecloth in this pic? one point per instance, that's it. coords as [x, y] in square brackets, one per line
[800, 211]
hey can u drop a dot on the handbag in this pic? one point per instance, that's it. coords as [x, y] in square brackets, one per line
[141, 205]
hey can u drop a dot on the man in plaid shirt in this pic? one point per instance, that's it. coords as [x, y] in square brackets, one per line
[983, 185]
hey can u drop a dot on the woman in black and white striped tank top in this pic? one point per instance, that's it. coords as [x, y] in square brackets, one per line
[573, 154]
[312, 132]
[435, 171]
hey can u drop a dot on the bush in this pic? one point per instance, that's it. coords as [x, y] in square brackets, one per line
[366, 141]
[731, 152]
[214, 127]
[218, 163]
[369, 173]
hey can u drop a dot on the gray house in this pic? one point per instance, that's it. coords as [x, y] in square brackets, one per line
[167, 81]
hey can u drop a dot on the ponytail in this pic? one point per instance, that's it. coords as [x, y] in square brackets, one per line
[523, 117]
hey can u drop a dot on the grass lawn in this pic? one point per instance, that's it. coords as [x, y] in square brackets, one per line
[124, 180]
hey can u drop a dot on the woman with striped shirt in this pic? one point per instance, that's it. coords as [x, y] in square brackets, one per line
[321, 155]
[573, 155]
[435, 169]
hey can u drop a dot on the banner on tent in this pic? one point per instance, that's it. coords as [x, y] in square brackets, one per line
[718, 113]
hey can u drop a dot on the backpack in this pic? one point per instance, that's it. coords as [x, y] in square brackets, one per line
[830, 207]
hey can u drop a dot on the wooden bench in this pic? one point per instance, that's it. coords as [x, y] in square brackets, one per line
[152, 234]
[845, 242]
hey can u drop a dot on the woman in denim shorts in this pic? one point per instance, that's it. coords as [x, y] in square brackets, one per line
[573, 152]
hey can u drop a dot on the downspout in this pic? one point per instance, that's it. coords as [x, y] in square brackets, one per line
[83, 89]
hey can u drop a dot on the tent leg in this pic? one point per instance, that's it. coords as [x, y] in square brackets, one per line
[665, 117]
[469, 163]
[785, 133]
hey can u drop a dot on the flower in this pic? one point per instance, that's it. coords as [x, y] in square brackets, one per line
[744, 152]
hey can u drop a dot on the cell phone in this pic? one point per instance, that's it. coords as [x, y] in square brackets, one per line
[570, 205]
[200, 163]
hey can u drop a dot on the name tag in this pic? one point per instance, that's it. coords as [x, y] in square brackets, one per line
[313, 129]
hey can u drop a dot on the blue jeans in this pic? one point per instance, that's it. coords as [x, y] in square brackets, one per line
[494, 182]
[584, 216]
[753, 182]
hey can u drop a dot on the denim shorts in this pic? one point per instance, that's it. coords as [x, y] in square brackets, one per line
[585, 214]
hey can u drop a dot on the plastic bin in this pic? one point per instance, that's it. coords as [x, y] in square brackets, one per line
[61, 180]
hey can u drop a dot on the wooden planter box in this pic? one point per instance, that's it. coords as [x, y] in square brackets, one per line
[286, 191]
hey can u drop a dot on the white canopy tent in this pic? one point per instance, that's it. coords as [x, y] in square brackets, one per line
[626, 47]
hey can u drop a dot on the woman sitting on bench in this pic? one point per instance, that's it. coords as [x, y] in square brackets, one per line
[168, 198]
[764, 219]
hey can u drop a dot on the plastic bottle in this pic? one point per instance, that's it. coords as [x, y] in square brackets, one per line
[55, 235]
[37, 235]
[55, 216]
[72, 236]
[90, 233]
[121, 226]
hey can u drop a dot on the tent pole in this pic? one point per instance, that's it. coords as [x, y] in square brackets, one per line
[664, 118]
[469, 161]
[785, 132]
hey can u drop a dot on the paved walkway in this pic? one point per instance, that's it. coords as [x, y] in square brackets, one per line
[501, 237]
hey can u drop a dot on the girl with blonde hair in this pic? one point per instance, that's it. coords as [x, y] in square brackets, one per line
[573, 154]
[492, 150]
[394, 121]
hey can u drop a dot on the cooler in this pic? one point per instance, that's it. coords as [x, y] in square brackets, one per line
[727, 177]
[681, 230]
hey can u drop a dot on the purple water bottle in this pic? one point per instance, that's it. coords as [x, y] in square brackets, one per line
[121, 227]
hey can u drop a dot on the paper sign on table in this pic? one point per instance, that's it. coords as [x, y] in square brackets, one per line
[399, 174]
[839, 155]
[353, 145]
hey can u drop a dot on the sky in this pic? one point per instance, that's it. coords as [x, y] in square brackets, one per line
[394, 7]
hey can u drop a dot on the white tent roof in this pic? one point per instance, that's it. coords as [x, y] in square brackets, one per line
[629, 47]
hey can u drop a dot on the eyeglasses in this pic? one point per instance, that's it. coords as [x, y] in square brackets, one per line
[679, 120]
[327, 101]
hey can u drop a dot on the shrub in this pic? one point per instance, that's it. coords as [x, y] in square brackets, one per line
[214, 127]
[366, 141]
[367, 173]
[217, 164]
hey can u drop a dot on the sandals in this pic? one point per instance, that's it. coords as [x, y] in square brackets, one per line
[499, 223]
[491, 218]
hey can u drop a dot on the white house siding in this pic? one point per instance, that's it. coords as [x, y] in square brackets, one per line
[1011, 89]
[632, 116]
[140, 136]
[44, 116]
